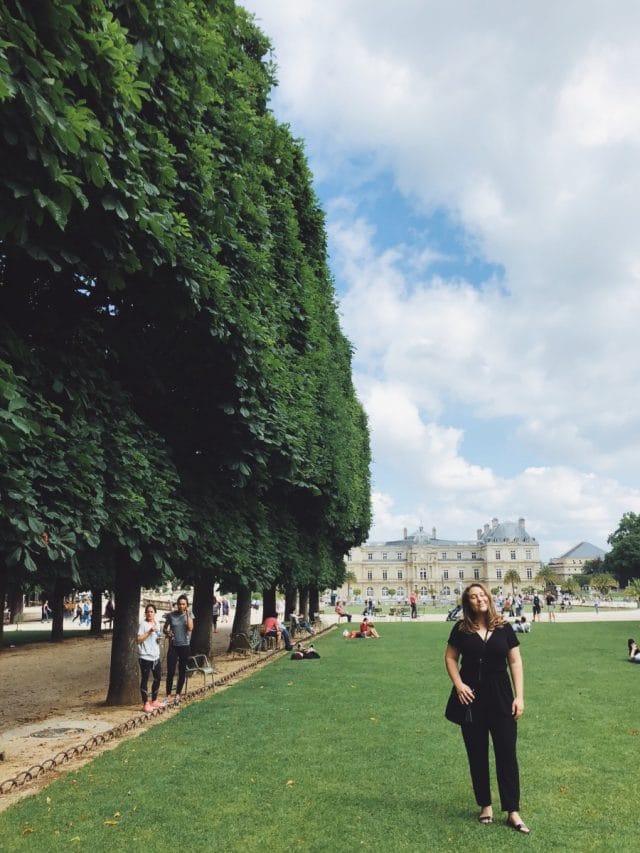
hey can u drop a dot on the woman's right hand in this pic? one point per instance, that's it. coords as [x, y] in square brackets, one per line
[465, 694]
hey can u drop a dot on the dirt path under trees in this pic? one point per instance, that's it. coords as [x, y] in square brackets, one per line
[50, 688]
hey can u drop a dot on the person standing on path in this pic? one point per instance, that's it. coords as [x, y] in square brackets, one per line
[537, 606]
[551, 606]
[215, 613]
[413, 601]
[482, 701]
[149, 659]
[178, 627]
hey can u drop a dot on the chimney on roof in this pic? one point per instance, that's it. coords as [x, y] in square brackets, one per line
[479, 533]
[494, 523]
[404, 535]
[433, 533]
[521, 523]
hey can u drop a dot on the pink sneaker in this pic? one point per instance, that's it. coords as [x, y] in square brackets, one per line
[157, 704]
[148, 708]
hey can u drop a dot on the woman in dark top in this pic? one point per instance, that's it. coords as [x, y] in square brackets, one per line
[482, 701]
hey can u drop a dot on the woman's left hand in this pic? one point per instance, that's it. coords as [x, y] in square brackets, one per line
[517, 708]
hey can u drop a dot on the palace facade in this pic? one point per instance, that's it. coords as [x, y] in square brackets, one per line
[572, 562]
[442, 567]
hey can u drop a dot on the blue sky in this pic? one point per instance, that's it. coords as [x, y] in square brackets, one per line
[478, 165]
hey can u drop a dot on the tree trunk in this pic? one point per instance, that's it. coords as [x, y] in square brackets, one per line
[3, 594]
[269, 602]
[304, 600]
[314, 601]
[57, 606]
[96, 612]
[242, 618]
[202, 636]
[15, 602]
[123, 674]
[290, 601]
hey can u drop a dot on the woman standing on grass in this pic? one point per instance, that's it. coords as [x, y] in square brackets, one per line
[482, 701]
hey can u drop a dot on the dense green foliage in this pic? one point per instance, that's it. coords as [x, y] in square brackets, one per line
[175, 389]
[359, 753]
[623, 560]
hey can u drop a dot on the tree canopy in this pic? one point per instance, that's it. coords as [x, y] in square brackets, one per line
[174, 383]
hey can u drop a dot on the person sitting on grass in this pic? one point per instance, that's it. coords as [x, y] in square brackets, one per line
[342, 612]
[367, 629]
[634, 651]
[521, 626]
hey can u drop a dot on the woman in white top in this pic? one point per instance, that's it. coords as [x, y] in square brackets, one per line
[149, 659]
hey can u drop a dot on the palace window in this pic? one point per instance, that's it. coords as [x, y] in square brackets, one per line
[445, 574]
[476, 574]
[384, 555]
[446, 590]
[369, 592]
[369, 556]
[369, 575]
[498, 555]
[499, 574]
[513, 555]
[474, 555]
[459, 555]
[399, 555]
[527, 554]
[461, 574]
[385, 592]
[400, 592]
[424, 592]
[423, 575]
[443, 555]
[384, 575]
[529, 574]
[399, 574]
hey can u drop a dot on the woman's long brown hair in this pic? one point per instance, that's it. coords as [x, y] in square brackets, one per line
[468, 624]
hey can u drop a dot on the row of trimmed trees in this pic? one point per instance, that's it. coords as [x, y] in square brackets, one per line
[175, 390]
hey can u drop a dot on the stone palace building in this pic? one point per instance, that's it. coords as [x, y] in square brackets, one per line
[430, 565]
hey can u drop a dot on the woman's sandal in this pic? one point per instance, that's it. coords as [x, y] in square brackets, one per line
[486, 819]
[519, 827]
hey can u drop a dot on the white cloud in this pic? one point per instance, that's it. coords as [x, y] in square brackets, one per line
[522, 121]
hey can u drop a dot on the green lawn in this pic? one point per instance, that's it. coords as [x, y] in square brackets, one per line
[352, 751]
[25, 636]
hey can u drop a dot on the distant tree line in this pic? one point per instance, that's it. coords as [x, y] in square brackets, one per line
[176, 396]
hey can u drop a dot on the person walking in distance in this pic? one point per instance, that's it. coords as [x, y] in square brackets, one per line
[482, 700]
[178, 627]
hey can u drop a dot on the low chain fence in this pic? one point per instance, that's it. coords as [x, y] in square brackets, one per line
[65, 756]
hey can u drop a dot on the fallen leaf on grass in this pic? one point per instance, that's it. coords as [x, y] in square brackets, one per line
[27, 831]
[110, 822]
[563, 790]
[290, 782]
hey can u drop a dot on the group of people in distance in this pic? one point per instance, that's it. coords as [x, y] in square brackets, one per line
[366, 629]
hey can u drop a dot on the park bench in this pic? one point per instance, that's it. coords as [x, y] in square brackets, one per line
[241, 643]
[199, 664]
